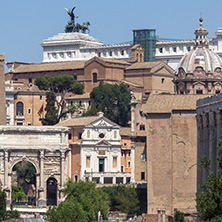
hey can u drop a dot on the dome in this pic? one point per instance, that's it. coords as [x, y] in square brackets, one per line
[201, 56]
[199, 71]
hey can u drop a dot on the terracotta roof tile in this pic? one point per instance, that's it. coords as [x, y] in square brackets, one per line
[125, 131]
[143, 65]
[78, 96]
[167, 103]
[53, 66]
[78, 121]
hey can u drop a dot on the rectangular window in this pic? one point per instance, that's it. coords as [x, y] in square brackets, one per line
[114, 162]
[122, 169]
[142, 175]
[29, 111]
[122, 153]
[80, 136]
[128, 164]
[143, 157]
[69, 136]
[161, 50]
[88, 162]
[101, 165]
[129, 153]
[19, 123]
[40, 97]
[175, 49]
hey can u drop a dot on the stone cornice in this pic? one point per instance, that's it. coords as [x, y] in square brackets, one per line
[33, 129]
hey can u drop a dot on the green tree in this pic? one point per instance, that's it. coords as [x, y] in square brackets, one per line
[17, 192]
[2, 205]
[113, 101]
[25, 171]
[83, 202]
[4, 215]
[179, 216]
[57, 88]
[127, 201]
[209, 197]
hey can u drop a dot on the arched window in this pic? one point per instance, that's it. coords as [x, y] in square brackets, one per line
[19, 109]
[94, 77]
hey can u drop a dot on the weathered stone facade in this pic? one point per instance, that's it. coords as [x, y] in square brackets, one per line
[45, 147]
[171, 152]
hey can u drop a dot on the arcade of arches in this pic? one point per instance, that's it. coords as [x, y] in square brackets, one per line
[46, 148]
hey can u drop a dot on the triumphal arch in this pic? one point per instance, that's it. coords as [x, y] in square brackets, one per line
[46, 147]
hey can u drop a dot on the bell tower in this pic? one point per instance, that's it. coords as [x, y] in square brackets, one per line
[2, 91]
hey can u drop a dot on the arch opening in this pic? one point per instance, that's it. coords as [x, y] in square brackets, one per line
[51, 191]
[23, 184]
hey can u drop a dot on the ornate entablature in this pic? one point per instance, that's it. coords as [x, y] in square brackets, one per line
[200, 69]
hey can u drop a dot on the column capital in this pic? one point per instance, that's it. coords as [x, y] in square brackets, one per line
[63, 154]
[42, 153]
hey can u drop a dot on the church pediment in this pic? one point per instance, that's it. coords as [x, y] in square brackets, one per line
[102, 122]
[103, 143]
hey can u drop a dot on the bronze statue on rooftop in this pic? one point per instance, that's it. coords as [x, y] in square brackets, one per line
[72, 27]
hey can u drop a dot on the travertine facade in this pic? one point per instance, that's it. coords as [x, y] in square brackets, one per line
[171, 152]
[45, 147]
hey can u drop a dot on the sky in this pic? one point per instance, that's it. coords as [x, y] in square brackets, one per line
[24, 24]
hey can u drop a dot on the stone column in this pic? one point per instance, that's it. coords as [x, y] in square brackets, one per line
[124, 179]
[62, 174]
[163, 216]
[205, 147]
[159, 215]
[114, 179]
[212, 139]
[41, 200]
[132, 162]
[62, 180]
[219, 128]
[133, 115]
[6, 188]
[6, 170]
[101, 179]
[199, 149]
